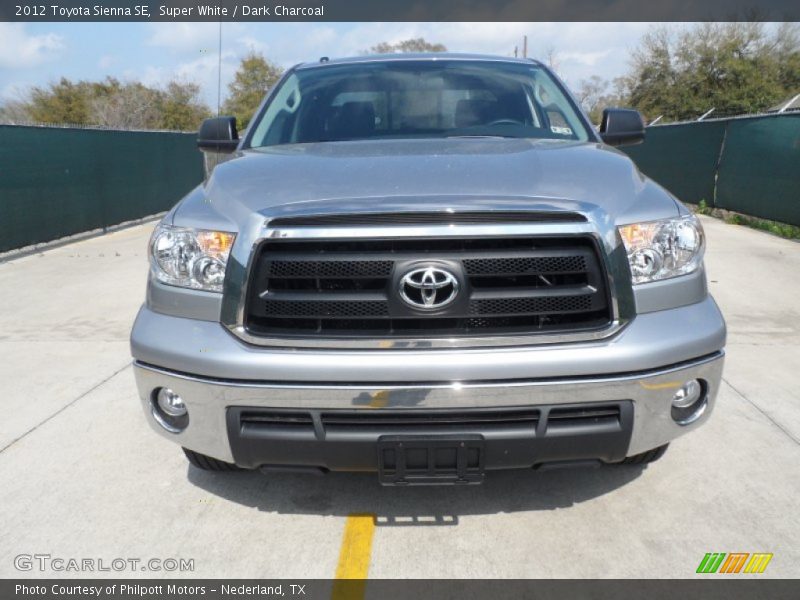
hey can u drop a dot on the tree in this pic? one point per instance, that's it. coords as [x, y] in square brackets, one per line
[597, 93]
[111, 103]
[732, 67]
[15, 112]
[551, 58]
[63, 102]
[126, 106]
[180, 106]
[411, 45]
[252, 80]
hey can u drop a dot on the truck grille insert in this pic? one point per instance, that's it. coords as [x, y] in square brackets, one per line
[557, 419]
[388, 421]
[350, 288]
[583, 416]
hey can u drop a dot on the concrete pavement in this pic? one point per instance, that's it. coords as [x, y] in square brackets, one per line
[84, 477]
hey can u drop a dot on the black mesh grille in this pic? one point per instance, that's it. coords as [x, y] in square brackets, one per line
[322, 309]
[349, 288]
[518, 266]
[326, 269]
[523, 306]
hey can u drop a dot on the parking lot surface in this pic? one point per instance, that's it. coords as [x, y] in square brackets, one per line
[83, 476]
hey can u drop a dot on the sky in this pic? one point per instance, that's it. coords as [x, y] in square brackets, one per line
[155, 53]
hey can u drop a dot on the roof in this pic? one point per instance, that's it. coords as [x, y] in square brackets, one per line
[408, 56]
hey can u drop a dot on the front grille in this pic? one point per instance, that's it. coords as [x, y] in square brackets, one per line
[557, 419]
[353, 439]
[419, 421]
[389, 421]
[349, 288]
[282, 420]
[583, 416]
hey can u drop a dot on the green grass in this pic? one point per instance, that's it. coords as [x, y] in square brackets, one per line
[791, 232]
[703, 208]
[784, 230]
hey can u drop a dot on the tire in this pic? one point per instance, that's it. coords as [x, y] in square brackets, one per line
[206, 463]
[645, 457]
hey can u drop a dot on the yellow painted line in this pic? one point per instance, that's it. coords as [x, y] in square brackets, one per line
[354, 557]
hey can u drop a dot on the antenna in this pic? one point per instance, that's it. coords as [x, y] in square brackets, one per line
[219, 71]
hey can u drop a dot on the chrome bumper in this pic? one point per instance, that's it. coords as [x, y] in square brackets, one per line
[650, 391]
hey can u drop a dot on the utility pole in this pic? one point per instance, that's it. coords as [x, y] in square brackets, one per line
[219, 71]
[525, 46]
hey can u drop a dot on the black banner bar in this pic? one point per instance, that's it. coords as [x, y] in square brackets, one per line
[711, 587]
[399, 10]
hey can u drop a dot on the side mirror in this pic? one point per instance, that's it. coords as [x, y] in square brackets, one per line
[218, 135]
[622, 127]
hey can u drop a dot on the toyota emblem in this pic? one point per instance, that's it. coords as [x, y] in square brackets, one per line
[428, 288]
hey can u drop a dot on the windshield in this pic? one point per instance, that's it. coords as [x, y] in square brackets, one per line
[417, 99]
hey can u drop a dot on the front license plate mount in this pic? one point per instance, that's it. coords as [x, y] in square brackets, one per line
[431, 460]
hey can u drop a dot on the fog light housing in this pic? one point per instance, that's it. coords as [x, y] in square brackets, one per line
[689, 402]
[169, 410]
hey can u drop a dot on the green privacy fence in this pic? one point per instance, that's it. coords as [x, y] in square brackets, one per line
[749, 165]
[56, 182]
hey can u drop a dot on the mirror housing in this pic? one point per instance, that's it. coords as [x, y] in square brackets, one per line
[622, 127]
[218, 135]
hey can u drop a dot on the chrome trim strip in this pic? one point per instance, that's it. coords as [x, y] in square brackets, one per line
[453, 385]
[427, 231]
[612, 257]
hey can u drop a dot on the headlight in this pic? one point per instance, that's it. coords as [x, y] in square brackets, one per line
[663, 249]
[193, 258]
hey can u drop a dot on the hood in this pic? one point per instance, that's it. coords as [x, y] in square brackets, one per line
[474, 174]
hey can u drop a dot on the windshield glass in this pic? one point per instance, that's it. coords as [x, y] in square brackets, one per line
[417, 99]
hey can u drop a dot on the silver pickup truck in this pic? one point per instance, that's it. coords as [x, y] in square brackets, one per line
[426, 267]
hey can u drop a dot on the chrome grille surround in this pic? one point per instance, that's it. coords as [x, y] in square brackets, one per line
[611, 255]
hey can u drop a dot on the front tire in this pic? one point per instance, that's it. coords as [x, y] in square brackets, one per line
[207, 463]
[645, 458]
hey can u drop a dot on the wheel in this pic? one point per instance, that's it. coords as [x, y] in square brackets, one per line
[645, 457]
[206, 463]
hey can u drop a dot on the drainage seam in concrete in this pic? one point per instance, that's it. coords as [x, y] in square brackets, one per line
[65, 407]
[759, 409]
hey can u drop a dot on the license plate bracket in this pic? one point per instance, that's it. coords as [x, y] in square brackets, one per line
[431, 460]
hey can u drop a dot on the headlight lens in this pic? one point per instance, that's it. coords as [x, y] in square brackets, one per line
[663, 249]
[193, 258]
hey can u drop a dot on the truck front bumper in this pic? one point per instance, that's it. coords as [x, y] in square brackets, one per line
[262, 406]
